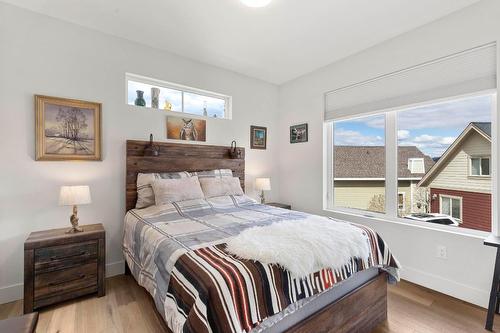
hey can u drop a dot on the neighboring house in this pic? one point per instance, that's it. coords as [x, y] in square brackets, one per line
[460, 182]
[360, 178]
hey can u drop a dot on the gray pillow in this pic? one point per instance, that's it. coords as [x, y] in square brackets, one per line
[145, 195]
[216, 187]
[174, 190]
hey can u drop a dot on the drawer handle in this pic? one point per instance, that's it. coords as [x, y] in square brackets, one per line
[79, 277]
[70, 256]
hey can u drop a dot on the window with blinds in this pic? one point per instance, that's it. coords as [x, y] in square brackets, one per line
[435, 122]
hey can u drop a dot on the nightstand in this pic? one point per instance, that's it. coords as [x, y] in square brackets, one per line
[59, 266]
[279, 205]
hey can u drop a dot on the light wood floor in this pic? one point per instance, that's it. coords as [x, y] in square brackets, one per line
[128, 308]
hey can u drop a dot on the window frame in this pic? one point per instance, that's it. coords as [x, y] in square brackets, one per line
[228, 100]
[404, 200]
[451, 197]
[391, 144]
[481, 158]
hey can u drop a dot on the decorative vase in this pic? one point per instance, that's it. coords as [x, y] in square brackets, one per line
[155, 98]
[140, 101]
[205, 113]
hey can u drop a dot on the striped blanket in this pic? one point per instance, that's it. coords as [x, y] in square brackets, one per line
[177, 252]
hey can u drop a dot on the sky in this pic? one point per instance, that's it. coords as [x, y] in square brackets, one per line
[431, 128]
[193, 103]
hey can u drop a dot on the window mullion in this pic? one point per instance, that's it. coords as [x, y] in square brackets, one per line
[495, 202]
[329, 166]
[182, 101]
[391, 164]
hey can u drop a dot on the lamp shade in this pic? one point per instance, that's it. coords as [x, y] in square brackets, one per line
[74, 195]
[262, 184]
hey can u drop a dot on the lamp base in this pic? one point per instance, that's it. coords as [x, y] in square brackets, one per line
[74, 230]
[74, 222]
[262, 198]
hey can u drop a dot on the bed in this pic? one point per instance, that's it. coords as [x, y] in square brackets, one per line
[177, 253]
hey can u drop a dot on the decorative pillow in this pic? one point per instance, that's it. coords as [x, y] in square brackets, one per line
[216, 187]
[172, 190]
[218, 173]
[145, 195]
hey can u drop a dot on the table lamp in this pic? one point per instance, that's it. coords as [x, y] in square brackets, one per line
[73, 196]
[262, 184]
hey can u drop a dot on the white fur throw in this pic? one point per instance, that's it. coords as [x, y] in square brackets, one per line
[302, 247]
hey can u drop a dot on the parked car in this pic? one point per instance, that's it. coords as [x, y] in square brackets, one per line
[434, 218]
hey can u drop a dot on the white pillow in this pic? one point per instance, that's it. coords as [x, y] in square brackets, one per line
[216, 187]
[172, 190]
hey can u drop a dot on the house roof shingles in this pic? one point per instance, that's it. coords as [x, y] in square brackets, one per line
[369, 161]
[485, 127]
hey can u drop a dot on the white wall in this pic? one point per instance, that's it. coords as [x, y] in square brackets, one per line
[467, 272]
[41, 55]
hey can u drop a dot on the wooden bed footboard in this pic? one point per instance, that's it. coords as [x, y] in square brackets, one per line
[361, 310]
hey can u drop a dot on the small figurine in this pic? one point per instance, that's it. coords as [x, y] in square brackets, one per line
[168, 105]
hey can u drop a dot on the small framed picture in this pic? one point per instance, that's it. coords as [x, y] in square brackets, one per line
[186, 129]
[298, 133]
[258, 137]
[67, 129]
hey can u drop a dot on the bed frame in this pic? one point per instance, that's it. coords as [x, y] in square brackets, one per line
[361, 310]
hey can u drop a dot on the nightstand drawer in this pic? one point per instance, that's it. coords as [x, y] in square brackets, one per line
[62, 256]
[66, 280]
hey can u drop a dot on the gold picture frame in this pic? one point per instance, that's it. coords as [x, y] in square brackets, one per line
[67, 129]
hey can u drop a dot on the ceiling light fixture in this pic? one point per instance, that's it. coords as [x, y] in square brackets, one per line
[256, 3]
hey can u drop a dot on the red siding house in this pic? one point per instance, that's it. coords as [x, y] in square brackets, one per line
[460, 182]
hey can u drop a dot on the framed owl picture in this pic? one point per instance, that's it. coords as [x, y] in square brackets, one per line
[186, 129]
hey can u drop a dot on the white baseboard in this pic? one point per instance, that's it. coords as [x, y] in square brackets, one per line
[11, 293]
[115, 268]
[15, 292]
[449, 287]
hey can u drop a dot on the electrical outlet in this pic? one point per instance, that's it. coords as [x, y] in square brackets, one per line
[441, 252]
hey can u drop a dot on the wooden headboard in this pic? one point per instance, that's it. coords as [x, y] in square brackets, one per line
[177, 157]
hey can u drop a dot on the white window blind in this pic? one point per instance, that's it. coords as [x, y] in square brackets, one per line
[462, 73]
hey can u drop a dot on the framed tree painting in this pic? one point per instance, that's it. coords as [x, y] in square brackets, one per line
[258, 137]
[67, 129]
[298, 133]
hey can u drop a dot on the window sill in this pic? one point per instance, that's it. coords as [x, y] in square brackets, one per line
[359, 216]
[173, 113]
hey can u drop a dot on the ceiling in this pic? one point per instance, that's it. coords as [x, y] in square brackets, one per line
[278, 43]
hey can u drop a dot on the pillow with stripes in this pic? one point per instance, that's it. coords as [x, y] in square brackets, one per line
[217, 173]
